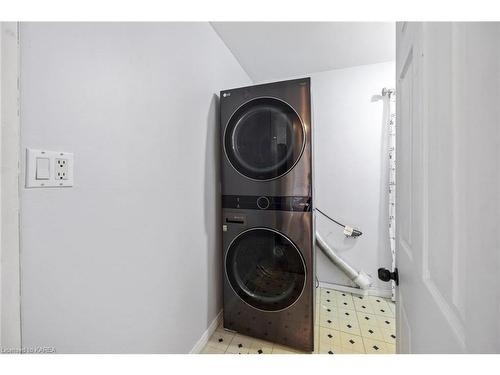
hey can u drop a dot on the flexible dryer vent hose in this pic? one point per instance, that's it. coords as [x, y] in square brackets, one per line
[359, 278]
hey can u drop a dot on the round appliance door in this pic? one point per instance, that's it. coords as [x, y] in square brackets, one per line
[265, 269]
[264, 139]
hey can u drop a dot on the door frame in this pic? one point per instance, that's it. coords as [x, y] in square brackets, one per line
[10, 151]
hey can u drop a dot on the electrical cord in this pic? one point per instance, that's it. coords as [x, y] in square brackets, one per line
[348, 231]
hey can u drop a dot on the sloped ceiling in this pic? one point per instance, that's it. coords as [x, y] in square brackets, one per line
[274, 50]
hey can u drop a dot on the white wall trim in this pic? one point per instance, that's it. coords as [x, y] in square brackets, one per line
[198, 347]
[10, 302]
[384, 293]
[1, 122]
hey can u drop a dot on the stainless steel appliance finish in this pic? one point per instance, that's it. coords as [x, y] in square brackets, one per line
[268, 275]
[266, 139]
[267, 219]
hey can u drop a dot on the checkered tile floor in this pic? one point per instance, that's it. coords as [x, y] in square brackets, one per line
[345, 324]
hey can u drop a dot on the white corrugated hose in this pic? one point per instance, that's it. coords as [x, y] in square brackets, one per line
[360, 278]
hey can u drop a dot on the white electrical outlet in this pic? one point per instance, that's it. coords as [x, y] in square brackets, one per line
[61, 169]
[48, 168]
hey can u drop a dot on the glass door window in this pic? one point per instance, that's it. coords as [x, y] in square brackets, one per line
[265, 269]
[264, 139]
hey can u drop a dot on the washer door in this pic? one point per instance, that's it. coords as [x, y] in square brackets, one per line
[264, 139]
[265, 269]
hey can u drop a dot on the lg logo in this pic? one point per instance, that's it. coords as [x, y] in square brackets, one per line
[226, 94]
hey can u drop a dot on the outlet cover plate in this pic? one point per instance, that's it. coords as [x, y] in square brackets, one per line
[53, 181]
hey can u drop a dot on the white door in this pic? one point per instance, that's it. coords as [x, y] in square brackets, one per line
[448, 197]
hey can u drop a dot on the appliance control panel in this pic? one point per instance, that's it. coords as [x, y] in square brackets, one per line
[250, 202]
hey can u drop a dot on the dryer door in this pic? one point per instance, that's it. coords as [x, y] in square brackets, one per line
[264, 139]
[265, 269]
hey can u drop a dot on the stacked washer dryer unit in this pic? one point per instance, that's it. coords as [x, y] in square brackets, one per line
[267, 212]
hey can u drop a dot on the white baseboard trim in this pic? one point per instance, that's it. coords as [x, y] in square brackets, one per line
[384, 293]
[198, 347]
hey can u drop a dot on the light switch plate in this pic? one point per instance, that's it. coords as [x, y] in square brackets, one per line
[42, 168]
[60, 169]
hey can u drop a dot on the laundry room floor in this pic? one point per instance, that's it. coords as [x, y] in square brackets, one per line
[345, 323]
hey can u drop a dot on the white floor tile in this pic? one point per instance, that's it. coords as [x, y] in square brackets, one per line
[327, 293]
[346, 314]
[344, 301]
[349, 326]
[329, 336]
[240, 344]
[342, 326]
[329, 322]
[326, 348]
[210, 350]
[386, 322]
[280, 349]
[342, 350]
[391, 349]
[328, 301]
[375, 346]
[378, 304]
[233, 350]
[328, 310]
[386, 311]
[220, 339]
[363, 306]
[392, 306]
[350, 342]
[328, 313]
[369, 319]
[389, 335]
[358, 297]
[341, 294]
[372, 332]
[261, 347]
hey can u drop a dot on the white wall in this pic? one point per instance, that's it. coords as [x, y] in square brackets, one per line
[108, 265]
[351, 167]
